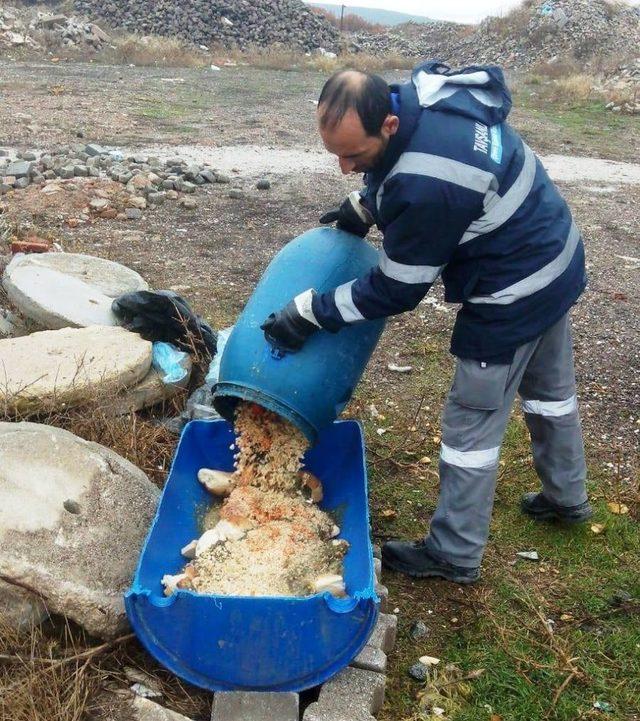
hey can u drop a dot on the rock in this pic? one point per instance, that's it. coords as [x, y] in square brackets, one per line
[20, 609]
[60, 290]
[263, 184]
[419, 671]
[222, 178]
[137, 202]
[236, 194]
[98, 204]
[147, 710]
[80, 564]
[133, 213]
[81, 171]
[188, 203]
[418, 630]
[156, 198]
[27, 155]
[20, 169]
[208, 175]
[69, 366]
[93, 150]
[187, 187]
[172, 195]
[21, 183]
[66, 172]
[11, 325]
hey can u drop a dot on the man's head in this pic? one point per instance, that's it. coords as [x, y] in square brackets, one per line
[355, 119]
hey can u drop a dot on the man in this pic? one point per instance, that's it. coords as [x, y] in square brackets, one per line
[458, 194]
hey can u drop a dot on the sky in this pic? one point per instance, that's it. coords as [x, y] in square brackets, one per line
[467, 11]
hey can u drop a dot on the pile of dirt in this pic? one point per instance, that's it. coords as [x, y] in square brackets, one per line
[537, 31]
[231, 23]
[268, 538]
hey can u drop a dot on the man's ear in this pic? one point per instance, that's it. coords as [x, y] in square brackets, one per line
[391, 124]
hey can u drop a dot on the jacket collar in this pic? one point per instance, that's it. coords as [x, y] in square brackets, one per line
[409, 115]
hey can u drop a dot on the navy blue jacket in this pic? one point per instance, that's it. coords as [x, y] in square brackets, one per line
[458, 193]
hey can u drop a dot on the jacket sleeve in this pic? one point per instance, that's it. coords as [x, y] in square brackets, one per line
[426, 218]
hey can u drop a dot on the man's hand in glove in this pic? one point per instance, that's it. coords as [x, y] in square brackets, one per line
[289, 328]
[351, 216]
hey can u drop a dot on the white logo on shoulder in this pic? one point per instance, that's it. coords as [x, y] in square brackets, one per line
[481, 141]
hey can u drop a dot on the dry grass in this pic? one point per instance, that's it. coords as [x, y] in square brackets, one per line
[154, 50]
[53, 672]
[275, 58]
[574, 87]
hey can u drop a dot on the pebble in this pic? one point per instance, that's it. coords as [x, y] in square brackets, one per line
[188, 203]
[263, 184]
[156, 198]
[27, 155]
[222, 178]
[236, 193]
[133, 213]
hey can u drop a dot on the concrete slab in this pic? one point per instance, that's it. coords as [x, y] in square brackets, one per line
[61, 290]
[69, 366]
[255, 706]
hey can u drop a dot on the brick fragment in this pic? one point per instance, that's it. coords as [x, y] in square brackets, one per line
[255, 706]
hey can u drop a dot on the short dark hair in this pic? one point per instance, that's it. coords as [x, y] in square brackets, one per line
[369, 95]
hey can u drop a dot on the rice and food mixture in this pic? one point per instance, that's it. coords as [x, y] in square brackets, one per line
[268, 538]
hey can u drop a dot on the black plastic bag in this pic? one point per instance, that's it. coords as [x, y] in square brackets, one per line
[165, 316]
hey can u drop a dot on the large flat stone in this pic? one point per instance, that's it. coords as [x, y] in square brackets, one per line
[69, 366]
[60, 290]
[73, 516]
[255, 706]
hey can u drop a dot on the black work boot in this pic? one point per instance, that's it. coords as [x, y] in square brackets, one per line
[413, 559]
[540, 508]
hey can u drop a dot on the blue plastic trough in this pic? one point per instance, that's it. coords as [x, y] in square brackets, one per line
[225, 643]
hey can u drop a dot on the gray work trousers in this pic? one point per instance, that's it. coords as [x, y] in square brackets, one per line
[473, 424]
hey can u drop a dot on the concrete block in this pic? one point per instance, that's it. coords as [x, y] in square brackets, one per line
[385, 633]
[377, 568]
[371, 659]
[383, 594]
[255, 706]
[353, 691]
[316, 712]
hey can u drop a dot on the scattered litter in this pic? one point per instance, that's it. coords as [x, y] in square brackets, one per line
[597, 528]
[381, 431]
[604, 706]
[619, 509]
[173, 365]
[530, 555]
[399, 369]
[429, 660]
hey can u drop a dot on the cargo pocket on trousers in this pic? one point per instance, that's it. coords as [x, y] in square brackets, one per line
[480, 385]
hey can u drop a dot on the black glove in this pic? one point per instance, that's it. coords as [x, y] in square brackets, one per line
[351, 216]
[288, 329]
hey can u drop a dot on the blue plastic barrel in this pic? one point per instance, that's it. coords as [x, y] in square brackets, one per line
[224, 643]
[309, 388]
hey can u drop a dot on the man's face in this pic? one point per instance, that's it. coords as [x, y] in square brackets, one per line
[357, 152]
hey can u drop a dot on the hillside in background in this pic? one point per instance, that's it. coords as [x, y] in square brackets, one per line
[373, 15]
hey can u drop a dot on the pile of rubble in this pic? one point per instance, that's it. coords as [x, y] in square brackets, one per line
[22, 28]
[542, 31]
[622, 88]
[147, 181]
[232, 23]
[424, 40]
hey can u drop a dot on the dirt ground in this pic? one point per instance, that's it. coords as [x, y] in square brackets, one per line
[215, 255]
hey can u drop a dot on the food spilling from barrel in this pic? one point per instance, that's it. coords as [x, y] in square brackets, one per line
[264, 534]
